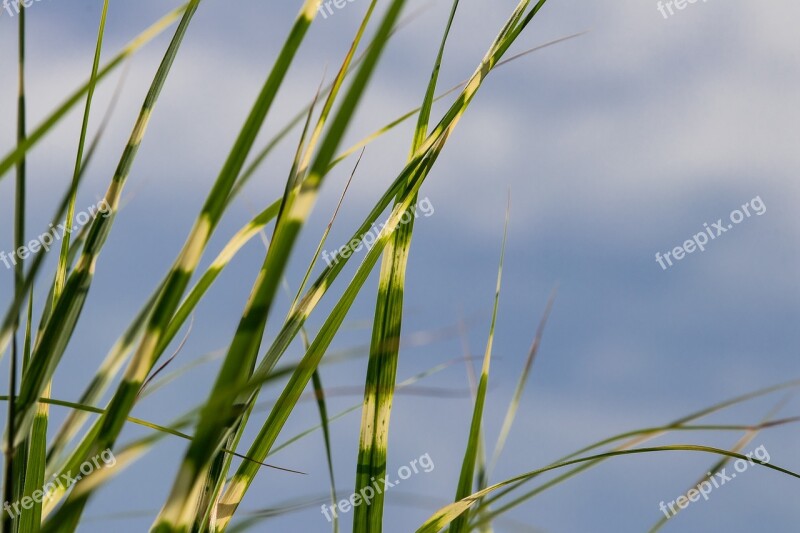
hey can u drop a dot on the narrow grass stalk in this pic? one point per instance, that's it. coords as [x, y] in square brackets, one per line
[467, 477]
[10, 490]
[513, 406]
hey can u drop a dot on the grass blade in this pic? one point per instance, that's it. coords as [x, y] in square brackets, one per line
[384, 349]
[448, 514]
[467, 477]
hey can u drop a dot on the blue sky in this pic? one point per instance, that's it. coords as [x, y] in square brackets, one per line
[615, 145]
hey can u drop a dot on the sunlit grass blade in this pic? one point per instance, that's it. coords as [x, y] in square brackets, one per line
[194, 505]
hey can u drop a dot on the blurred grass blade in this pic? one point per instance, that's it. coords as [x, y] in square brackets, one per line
[513, 406]
[319, 393]
[61, 273]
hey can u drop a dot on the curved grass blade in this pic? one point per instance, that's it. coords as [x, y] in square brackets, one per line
[638, 437]
[448, 514]
[738, 447]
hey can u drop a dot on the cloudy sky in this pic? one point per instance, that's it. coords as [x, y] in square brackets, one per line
[615, 145]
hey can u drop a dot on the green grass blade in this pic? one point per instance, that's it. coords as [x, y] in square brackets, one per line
[30, 519]
[300, 378]
[637, 437]
[467, 477]
[12, 489]
[61, 273]
[385, 348]
[448, 514]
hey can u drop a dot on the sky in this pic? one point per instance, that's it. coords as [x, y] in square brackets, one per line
[613, 146]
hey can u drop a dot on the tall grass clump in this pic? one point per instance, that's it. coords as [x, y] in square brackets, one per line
[219, 464]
